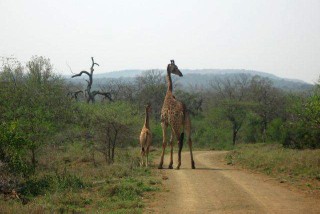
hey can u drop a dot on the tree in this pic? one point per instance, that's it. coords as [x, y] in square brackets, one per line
[232, 94]
[13, 150]
[11, 87]
[121, 90]
[35, 100]
[236, 113]
[109, 127]
[193, 99]
[303, 125]
[92, 94]
[151, 88]
[269, 102]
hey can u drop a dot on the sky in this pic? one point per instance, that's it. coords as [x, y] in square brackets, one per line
[281, 37]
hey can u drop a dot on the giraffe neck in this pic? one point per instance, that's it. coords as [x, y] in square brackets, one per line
[146, 122]
[169, 81]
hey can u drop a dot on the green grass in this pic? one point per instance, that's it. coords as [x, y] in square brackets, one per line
[69, 182]
[295, 166]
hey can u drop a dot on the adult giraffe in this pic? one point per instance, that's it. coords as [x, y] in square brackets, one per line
[174, 113]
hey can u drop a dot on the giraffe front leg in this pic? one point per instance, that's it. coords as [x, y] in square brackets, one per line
[164, 143]
[147, 154]
[180, 144]
[171, 151]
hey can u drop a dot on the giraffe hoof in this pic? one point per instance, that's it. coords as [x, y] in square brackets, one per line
[177, 168]
[193, 165]
[160, 167]
[170, 167]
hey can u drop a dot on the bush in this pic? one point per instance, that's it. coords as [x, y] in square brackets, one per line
[40, 185]
[13, 150]
[35, 99]
[303, 130]
[115, 125]
[210, 131]
[252, 129]
[277, 161]
[276, 130]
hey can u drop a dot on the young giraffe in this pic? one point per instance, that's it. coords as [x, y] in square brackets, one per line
[145, 137]
[174, 113]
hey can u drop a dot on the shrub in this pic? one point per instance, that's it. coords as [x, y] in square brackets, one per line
[51, 182]
[303, 131]
[13, 150]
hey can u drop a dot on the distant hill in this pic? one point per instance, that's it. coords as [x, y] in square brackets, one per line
[202, 77]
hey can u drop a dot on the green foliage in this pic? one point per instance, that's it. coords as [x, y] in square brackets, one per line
[38, 121]
[113, 125]
[221, 124]
[35, 99]
[128, 189]
[303, 130]
[211, 131]
[151, 88]
[13, 150]
[276, 130]
[252, 129]
[124, 191]
[275, 160]
[78, 186]
[51, 182]
[193, 100]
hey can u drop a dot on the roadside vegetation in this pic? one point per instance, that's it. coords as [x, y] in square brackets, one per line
[67, 181]
[61, 155]
[298, 167]
[74, 147]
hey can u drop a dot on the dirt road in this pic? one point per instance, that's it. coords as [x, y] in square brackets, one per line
[217, 188]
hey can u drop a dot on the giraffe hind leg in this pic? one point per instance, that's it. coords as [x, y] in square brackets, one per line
[192, 161]
[171, 152]
[142, 156]
[180, 149]
[147, 158]
[188, 135]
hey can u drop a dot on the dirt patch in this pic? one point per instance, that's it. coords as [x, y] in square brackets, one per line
[215, 187]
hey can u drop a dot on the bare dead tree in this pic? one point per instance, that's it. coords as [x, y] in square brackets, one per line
[74, 95]
[92, 94]
[105, 94]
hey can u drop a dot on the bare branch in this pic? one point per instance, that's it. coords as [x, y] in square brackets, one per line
[70, 68]
[82, 72]
[105, 94]
[92, 94]
[93, 63]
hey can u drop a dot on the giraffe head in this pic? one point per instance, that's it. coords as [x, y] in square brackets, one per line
[173, 69]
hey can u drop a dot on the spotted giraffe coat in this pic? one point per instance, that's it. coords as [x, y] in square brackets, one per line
[173, 113]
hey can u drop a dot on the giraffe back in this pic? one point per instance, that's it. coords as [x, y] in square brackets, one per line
[172, 112]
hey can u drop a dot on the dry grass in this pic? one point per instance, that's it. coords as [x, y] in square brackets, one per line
[299, 167]
[69, 182]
